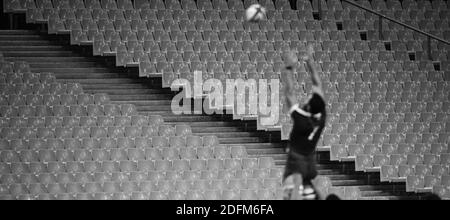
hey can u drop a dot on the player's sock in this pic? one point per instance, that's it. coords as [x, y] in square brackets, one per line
[308, 190]
[309, 193]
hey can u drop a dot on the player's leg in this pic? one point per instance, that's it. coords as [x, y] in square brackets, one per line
[288, 188]
[293, 187]
[292, 179]
[311, 173]
[288, 180]
[298, 187]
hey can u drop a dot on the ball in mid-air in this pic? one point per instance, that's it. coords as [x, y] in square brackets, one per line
[255, 13]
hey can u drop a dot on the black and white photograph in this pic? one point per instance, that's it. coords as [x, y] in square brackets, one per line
[243, 103]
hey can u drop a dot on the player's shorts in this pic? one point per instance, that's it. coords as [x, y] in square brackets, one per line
[301, 164]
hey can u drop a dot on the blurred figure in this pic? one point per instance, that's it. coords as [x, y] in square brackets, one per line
[309, 122]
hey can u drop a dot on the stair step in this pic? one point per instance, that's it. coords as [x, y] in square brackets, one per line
[118, 86]
[378, 193]
[139, 97]
[93, 76]
[59, 59]
[345, 176]
[30, 43]
[75, 70]
[241, 140]
[262, 152]
[215, 129]
[348, 182]
[154, 108]
[101, 82]
[391, 198]
[39, 54]
[256, 146]
[20, 37]
[326, 172]
[65, 65]
[173, 119]
[37, 48]
[126, 91]
[144, 104]
[232, 134]
[17, 32]
[277, 157]
[381, 188]
[215, 124]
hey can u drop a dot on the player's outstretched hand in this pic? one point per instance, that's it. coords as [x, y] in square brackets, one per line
[290, 58]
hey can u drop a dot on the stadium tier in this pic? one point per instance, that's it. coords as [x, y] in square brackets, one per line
[388, 103]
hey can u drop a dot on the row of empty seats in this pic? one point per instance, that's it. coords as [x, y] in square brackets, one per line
[74, 110]
[86, 15]
[224, 5]
[91, 132]
[273, 42]
[405, 170]
[266, 51]
[18, 67]
[123, 165]
[380, 138]
[428, 125]
[365, 161]
[225, 20]
[397, 105]
[158, 188]
[262, 194]
[96, 143]
[294, 34]
[160, 185]
[48, 176]
[19, 5]
[387, 121]
[392, 136]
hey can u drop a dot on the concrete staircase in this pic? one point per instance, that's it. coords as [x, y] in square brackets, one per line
[53, 53]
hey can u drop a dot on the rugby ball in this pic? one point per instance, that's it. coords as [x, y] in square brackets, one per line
[255, 13]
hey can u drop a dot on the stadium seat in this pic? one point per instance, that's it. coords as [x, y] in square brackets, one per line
[363, 162]
[230, 195]
[212, 195]
[232, 164]
[445, 159]
[177, 142]
[445, 180]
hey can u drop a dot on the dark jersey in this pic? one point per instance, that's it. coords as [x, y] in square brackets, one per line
[307, 127]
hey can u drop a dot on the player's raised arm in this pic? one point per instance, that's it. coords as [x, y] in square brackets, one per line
[287, 76]
[317, 83]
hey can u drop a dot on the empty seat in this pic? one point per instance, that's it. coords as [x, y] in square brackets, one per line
[212, 195]
[445, 159]
[163, 165]
[266, 162]
[194, 141]
[221, 152]
[380, 160]
[215, 164]
[198, 164]
[238, 152]
[232, 164]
